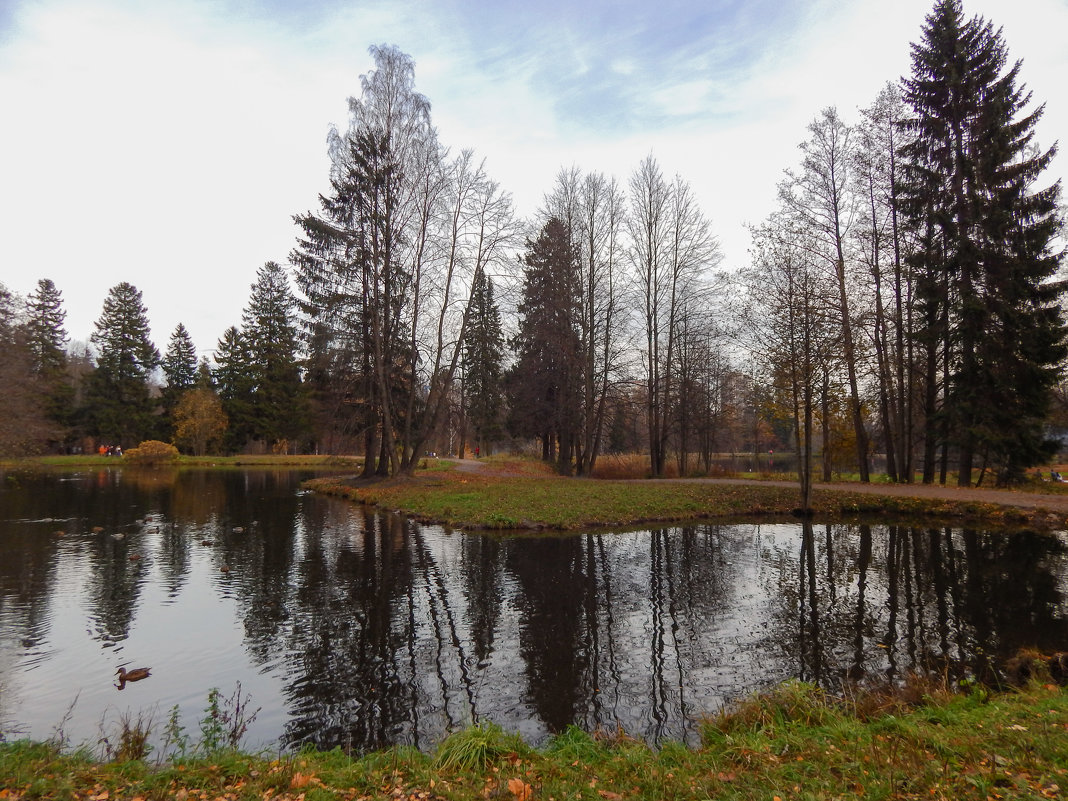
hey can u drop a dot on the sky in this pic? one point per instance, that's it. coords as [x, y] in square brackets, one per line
[168, 143]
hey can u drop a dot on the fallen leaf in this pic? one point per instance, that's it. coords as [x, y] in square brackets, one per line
[610, 796]
[520, 789]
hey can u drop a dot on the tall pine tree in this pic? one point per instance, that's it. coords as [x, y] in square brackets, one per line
[482, 363]
[234, 381]
[993, 330]
[544, 385]
[46, 339]
[179, 368]
[45, 335]
[270, 328]
[119, 406]
[24, 426]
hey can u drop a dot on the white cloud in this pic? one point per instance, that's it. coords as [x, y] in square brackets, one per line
[168, 144]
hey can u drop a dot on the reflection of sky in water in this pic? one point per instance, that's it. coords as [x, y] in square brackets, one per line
[358, 630]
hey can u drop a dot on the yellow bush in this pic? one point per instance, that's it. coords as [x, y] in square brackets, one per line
[152, 451]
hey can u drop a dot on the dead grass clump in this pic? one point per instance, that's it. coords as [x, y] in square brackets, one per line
[790, 702]
[621, 466]
[1030, 666]
[1058, 668]
[614, 738]
[870, 701]
[628, 466]
[128, 740]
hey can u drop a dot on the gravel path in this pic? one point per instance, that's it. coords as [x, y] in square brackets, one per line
[1025, 500]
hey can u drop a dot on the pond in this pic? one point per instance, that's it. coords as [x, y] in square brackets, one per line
[352, 628]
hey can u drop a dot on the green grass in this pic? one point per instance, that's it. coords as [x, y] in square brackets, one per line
[546, 501]
[793, 742]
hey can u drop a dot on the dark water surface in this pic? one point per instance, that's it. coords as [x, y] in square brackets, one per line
[362, 630]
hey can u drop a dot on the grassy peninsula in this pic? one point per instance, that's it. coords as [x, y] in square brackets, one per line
[514, 494]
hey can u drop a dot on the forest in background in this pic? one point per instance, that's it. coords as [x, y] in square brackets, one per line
[903, 300]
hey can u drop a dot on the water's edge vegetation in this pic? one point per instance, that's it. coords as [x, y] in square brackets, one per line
[919, 740]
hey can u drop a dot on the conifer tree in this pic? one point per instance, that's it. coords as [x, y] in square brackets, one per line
[482, 362]
[269, 320]
[180, 361]
[993, 331]
[45, 334]
[24, 426]
[179, 368]
[119, 404]
[46, 339]
[544, 389]
[234, 381]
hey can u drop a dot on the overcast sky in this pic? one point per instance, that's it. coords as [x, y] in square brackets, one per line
[169, 142]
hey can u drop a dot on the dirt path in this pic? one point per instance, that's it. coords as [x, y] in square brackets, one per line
[1024, 500]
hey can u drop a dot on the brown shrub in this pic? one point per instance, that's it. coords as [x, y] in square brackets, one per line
[625, 466]
[152, 451]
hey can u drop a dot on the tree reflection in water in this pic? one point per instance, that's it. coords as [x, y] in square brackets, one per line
[905, 599]
[365, 630]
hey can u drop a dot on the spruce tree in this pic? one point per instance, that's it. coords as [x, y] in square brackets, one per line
[45, 334]
[482, 362]
[119, 407]
[46, 339]
[179, 368]
[180, 361]
[332, 275]
[24, 424]
[985, 258]
[544, 389]
[235, 382]
[278, 400]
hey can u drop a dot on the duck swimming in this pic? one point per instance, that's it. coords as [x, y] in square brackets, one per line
[131, 675]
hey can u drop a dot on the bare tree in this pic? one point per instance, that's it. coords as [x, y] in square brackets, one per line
[592, 208]
[479, 225]
[672, 250]
[386, 269]
[882, 248]
[821, 200]
[785, 325]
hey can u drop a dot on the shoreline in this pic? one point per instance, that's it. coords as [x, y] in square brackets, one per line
[924, 739]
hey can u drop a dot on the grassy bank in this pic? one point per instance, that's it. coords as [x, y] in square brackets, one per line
[540, 500]
[794, 742]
